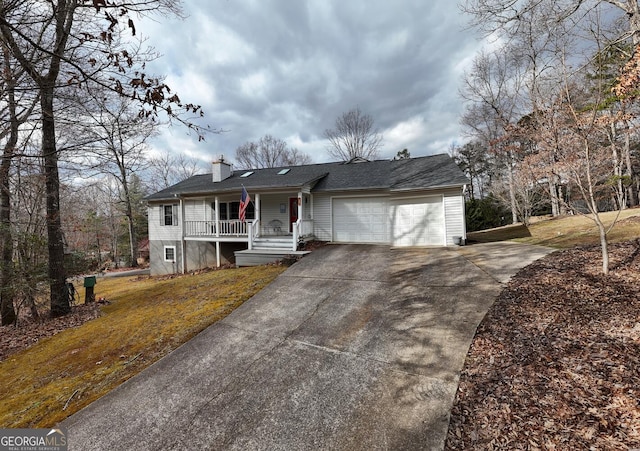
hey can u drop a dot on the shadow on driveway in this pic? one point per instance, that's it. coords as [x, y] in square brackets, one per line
[353, 347]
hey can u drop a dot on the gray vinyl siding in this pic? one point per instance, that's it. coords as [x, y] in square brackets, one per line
[270, 209]
[454, 216]
[196, 210]
[157, 231]
[322, 217]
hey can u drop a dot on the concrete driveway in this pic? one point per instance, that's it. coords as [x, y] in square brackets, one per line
[354, 347]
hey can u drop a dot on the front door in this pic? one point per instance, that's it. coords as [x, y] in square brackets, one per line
[293, 212]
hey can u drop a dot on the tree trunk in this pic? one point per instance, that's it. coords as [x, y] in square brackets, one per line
[133, 243]
[603, 245]
[512, 195]
[632, 195]
[7, 291]
[553, 191]
[57, 275]
[7, 310]
[633, 13]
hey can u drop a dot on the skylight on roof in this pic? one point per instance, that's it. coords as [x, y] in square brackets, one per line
[247, 174]
[283, 171]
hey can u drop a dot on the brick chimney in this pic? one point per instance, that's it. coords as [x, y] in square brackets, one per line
[221, 169]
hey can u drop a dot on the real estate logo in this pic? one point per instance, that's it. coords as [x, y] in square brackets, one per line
[33, 439]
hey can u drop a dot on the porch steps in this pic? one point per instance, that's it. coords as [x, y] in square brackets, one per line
[256, 257]
[281, 243]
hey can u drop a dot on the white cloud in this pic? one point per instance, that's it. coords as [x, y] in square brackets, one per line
[291, 68]
[254, 85]
[192, 87]
[404, 135]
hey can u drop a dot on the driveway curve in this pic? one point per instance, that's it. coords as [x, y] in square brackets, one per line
[353, 347]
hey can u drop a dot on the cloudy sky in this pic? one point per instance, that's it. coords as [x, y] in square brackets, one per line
[289, 68]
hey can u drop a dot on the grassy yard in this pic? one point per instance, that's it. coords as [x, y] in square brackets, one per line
[564, 232]
[145, 320]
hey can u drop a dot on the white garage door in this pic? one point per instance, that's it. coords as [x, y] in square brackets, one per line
[418, 222]
[361, 220]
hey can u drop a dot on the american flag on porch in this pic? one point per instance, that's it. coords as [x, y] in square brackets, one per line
[244, 203]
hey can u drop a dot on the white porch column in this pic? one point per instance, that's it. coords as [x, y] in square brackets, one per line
[218, 254]
[257, 203]
[217, 224]
[300, 200]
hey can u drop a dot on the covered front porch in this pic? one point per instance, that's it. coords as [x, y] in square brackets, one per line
[274, 221]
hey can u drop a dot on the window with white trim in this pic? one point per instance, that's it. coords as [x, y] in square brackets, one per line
[170, 254]
[231, 210]
[169, 215]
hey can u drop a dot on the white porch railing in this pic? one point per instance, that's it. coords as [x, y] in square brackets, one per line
[253, 232]
[301, 228]
[296, 233]
[208, 228]
[249, 230]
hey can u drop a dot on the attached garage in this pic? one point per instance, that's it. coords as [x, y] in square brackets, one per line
[360, 220]
[417, 221]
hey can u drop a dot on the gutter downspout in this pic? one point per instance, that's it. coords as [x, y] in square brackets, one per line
[183, 242]
[217, 226]
[464, 215]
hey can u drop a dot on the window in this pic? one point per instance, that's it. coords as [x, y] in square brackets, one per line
[283, 171]
[247, 174]
[169, 215]
[234, 210]
[231, 210]
[170, 254]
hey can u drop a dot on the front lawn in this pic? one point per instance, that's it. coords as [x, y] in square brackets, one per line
[145, 320]
[564, 232]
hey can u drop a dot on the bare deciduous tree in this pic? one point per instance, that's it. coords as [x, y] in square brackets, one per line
[354, 136]
[119, 144]
[493, 89]
[83, 41]
[167, 169]
[269, 152]
[508, 16]
[18, 108]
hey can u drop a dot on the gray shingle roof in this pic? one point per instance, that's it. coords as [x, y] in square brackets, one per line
[436, 171]
[415, 173]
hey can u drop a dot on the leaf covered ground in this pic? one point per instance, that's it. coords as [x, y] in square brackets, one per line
[28, 331]
[555, 364]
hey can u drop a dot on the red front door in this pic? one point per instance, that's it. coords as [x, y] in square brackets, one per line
[293, 212]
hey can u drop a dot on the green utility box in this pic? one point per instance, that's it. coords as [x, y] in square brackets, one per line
[89, 283]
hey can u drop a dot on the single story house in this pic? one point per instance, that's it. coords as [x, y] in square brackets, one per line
[409, 202]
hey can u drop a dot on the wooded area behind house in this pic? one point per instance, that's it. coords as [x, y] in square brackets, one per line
[552, 110]
[76, 110]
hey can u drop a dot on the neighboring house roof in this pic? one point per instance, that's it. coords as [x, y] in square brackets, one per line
[436, 171]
